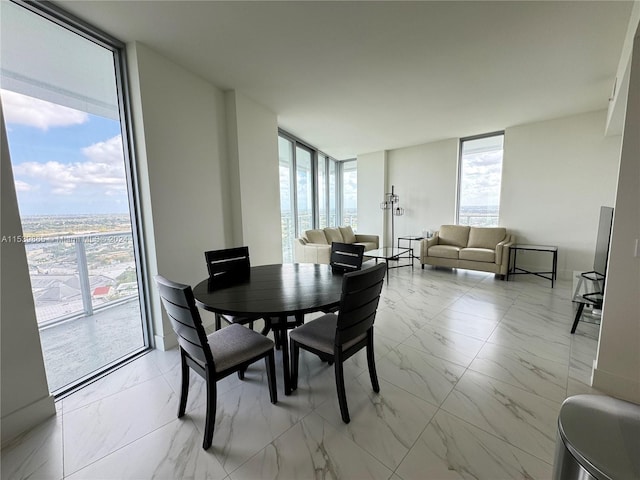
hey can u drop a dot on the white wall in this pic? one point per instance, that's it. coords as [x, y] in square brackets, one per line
[556, 175]
[371, 188]
[254, 177]
[25, 399]
[617, 367]
[181, 134]
[425, 178]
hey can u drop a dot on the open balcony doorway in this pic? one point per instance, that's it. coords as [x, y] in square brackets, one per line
[62, 103]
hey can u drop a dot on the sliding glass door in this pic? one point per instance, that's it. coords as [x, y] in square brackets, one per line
[62, 101]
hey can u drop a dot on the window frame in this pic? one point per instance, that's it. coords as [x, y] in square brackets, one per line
[459, 172]
[68, 21]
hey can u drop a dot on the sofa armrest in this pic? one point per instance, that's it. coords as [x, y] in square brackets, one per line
[312, 252]
[360, 238]
[425, 243]
[502, 249]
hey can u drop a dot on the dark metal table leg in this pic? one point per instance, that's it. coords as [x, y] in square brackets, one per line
[577, 319]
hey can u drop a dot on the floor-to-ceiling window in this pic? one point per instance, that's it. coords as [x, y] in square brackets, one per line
[304, 189]
[316, 191]
[480, 176]
[61, 91]
[287, 197]
[350, 193]
[323, 191]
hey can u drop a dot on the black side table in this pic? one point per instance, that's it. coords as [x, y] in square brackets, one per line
[515, 270]
[409, 240]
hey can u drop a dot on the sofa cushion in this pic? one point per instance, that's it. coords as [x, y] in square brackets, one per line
[456, 235]
[316, 236]
[443, 251]
[333, 235]
[347, 234]
[478, 254]
[486, 237]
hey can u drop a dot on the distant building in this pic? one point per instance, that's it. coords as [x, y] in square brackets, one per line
[101, 292]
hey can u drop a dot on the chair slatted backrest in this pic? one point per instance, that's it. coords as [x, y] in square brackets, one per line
[228, 261]
[359, 302]
[180, 305]
[346, 257]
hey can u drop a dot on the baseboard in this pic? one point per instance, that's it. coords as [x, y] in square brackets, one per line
[616, 386]
[26, 418]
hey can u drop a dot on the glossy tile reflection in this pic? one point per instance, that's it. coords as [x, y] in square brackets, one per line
[472, 373]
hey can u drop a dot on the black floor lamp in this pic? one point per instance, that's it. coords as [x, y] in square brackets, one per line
[391, 202]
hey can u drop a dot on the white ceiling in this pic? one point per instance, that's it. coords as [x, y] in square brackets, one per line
[363, 76]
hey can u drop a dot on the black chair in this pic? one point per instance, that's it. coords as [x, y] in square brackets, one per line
[232, 262]
[335, 338]
[346, 257]
[213, 357]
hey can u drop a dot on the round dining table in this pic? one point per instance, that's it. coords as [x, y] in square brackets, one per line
[273, 292]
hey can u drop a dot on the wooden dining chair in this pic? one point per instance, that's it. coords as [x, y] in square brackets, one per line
[215, 356]
[235, 263]
[346, 257]
[335, 338]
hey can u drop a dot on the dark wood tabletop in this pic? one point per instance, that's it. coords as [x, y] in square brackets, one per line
[272, 290]
[277, 291]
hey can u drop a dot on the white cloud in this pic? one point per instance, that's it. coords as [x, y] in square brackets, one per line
[33, 112]
[104, 168]
[24, 186]
[108, 152]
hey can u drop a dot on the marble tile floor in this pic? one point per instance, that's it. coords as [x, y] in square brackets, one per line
[472, 371]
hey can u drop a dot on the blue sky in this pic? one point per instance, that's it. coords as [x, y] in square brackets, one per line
[65, 161]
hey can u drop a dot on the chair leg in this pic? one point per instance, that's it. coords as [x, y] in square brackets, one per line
[210, 421]
[371, 362]
[295, 357]
[218, 322]
[271, 376]
[184, 389]
[342, 395]
[241, 373]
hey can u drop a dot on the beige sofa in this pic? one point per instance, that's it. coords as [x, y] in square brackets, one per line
[315, 245]
[473, 248]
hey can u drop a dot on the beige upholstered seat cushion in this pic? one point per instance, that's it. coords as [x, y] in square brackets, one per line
[333, 235]
[347, 234]
[443, 251]
[320, 334]
[486, 237]
[478, 254]
[316, 236]
[456, 235]
[236, 344]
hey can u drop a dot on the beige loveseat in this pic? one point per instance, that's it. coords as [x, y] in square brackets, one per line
[474, 248]
[315, 245]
